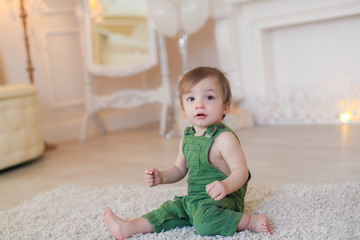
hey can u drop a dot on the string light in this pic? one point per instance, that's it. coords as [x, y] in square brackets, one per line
[345, 117]
[93, 4]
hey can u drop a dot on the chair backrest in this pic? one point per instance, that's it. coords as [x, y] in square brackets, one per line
[117, 42]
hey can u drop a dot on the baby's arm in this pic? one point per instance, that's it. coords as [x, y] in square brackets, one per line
[231, 150]
[172, 174]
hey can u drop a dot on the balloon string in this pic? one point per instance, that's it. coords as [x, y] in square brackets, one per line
[183, 40]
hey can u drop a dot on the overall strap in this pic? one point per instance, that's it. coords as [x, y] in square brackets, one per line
[215, 130]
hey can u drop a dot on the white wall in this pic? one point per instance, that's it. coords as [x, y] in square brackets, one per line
[57, 59]
[12, 49]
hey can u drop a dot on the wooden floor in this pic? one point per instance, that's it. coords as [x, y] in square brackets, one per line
[276, 155]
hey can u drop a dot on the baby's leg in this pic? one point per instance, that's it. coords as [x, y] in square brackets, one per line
[256, 223]
[122, 229]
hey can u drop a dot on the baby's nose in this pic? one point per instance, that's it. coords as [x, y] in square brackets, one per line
[200, 105]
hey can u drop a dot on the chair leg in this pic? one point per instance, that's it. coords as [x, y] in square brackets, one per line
[85, 126]
[99, 124]
[163, 119]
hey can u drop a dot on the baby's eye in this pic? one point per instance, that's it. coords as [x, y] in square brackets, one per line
[210, 97]
[190, 99]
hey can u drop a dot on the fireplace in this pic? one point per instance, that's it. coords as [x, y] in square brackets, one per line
[294, 62]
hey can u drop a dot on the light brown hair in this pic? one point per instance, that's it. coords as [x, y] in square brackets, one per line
[195, 75]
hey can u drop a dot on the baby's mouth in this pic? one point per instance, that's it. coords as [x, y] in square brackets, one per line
[200, 115]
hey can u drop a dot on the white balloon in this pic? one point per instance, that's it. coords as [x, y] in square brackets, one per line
[193, 14]
[163, 14]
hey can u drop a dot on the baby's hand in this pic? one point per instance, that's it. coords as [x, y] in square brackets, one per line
[152, 177]
[216, 190]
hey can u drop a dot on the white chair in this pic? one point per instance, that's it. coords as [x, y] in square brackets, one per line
[110, 52]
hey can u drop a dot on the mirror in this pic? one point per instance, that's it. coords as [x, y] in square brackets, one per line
[118, 38]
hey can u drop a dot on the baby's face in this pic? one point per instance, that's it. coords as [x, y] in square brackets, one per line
[204, 103]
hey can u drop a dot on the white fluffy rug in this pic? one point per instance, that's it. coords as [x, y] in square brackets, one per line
[296, 212]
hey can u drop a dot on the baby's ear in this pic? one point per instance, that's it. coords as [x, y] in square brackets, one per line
[226, 107]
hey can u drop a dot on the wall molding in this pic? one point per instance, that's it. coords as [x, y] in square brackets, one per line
[261, 28]
[54, 103]
[47, 10]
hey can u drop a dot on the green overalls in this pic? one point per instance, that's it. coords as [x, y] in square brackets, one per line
[198, 209]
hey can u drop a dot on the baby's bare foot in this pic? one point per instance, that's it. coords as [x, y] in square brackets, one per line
[115, 225]
[260, 224]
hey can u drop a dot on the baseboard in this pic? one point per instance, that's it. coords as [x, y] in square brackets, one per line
[113, 120]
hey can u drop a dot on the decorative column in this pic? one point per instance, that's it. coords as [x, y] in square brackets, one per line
[227, 44]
